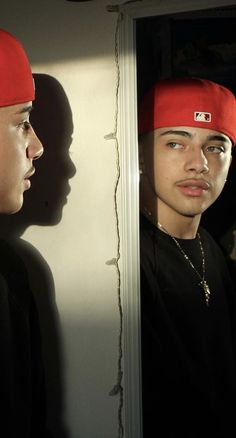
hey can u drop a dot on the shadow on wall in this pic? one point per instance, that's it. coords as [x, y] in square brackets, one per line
[43, 204]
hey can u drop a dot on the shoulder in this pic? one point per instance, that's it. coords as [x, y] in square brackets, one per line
[13, 276]
[156, 247]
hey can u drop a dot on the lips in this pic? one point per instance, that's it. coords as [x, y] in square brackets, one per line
[27, 183]
[193, 187]
[29, 173]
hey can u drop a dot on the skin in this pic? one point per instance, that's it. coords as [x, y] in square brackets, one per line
[184, 172]
[19, 147]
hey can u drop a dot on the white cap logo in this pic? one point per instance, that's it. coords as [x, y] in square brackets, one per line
[202, 117]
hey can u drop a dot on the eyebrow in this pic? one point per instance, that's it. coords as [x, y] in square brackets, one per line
[176, 132]
[214, 137]
[26, 109]
[217, 137]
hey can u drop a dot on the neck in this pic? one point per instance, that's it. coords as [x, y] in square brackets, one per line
[182, 228]
[178, 225]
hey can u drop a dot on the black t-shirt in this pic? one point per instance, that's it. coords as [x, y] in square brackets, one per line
[188, 348]
[22, 391]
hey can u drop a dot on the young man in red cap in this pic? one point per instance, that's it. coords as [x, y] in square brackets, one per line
[19, 145]
[187, 129]
[22, 404]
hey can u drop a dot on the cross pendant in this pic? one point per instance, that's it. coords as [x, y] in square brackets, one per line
[207, 291]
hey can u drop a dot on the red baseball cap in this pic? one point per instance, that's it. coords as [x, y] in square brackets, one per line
[189, 102]
[16, 80]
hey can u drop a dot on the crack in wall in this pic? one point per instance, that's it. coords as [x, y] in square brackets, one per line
[117, 388]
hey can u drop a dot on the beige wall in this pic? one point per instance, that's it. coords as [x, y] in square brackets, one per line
[74, 43]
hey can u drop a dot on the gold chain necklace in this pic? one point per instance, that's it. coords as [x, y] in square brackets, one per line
[203, 282]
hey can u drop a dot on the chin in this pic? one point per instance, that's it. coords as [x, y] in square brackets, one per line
[14, 207]
[191, 212]
[196, 208]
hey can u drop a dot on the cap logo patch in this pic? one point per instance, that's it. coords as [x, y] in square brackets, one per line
[202, 117]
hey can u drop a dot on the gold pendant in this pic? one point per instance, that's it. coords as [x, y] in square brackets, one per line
[207, 291]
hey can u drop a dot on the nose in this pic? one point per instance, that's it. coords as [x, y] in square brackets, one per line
[197, 161]
[35, 147]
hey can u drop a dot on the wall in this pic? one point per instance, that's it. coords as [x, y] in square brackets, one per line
[67, 230]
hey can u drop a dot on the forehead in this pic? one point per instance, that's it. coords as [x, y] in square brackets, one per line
[10, 111]
[191, 133]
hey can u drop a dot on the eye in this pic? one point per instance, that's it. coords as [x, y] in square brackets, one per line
[25, 125]
[174, 145]
[215, 149]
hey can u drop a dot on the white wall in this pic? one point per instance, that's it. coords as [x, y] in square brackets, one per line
[74, 43]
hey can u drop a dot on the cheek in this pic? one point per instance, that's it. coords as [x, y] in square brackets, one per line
[220, 174]
[224, 167]
[163, 177]
[165, 168]
[12, 165]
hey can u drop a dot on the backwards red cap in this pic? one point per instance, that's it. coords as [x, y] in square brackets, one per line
[16, 80]
[189, 102]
